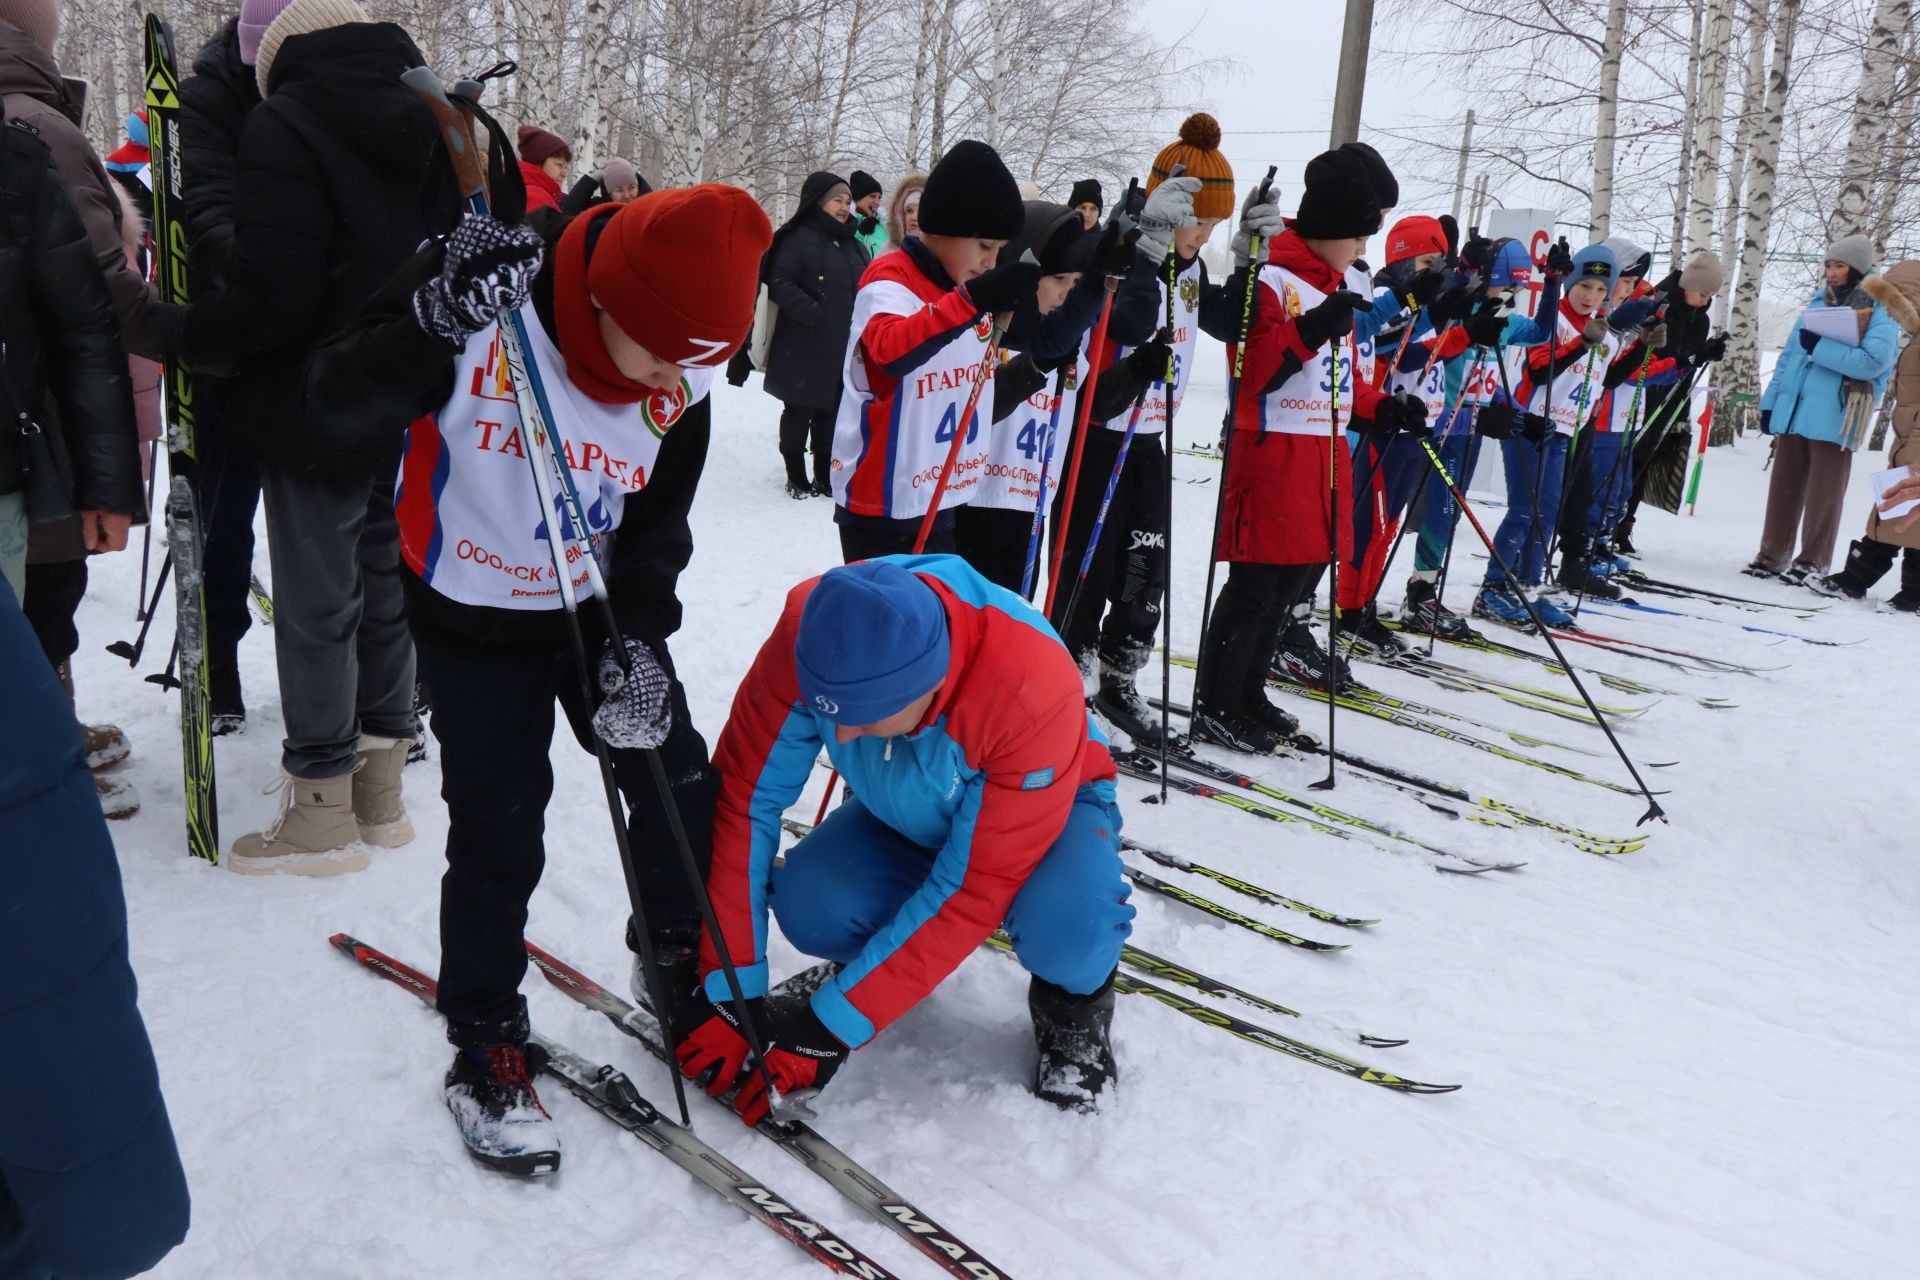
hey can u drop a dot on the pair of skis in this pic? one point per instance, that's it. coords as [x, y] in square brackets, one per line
[1482, 643]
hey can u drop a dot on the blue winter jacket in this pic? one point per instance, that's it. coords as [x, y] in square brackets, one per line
[1806, 395]
[91, 1186]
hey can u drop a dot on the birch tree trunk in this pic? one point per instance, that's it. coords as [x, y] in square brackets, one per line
[999, 20]
[1708, 109]
[1687, 129]
[846, 79]
[1740, 374]
[1752, 96]
[1895, 178]
[941, 79]
[1605, 116]
[596, 116]
[746, 157]
[1853, 211]
[917, 99]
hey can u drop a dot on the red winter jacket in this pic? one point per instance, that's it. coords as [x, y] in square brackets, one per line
[542, 191]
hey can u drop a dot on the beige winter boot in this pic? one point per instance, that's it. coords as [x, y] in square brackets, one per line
[377, 803]
[314, 833]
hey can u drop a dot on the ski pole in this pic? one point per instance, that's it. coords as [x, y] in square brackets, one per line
[132, 652]
[1255, 250]
[1594, 494]
[1334, 445]
[530, 396]
[1472, 455]
[1653, 806]
[1170, 393]
[165, 677]
[1100, 517]
[964, 429]
[142, 610]
[1040, 500]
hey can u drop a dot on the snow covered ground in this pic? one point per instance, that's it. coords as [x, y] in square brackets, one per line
[1689, 1061]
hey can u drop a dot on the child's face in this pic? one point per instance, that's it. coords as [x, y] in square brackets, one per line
[1694, 298]
[1187, 240]
[910, 215]
[633, 360]
[1585, 298]
[1055, 288]
[1622, 289]
[1089, 213]
[964, 257]
[1338, 254]
[1427, 260]
[868, 203]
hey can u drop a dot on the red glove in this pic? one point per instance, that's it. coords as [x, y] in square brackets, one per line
[802, 1054]
[714, 1053]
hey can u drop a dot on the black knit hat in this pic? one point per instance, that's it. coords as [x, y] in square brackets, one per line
[1348, 192]
[970, 193]
[1087, 191]
[863, 185]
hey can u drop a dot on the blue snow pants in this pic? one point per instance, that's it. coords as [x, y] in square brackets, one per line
[1526, 528]
[1460, 452]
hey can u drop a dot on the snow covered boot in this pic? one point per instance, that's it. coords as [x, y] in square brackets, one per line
[377, 803]
[1423, 612]
[1076, 1051]
[106, 745]
[314, 834]
[798, 486]
[1501, 603]
[1867, 562]
[1907, 598]
[1797, 573]
[1300, 660]
[1759, 568]
[1551, 611]
[118, 798]
[228, 710]
[1362, 630]
[490, 1092]
[1120, 705]
[676, 960]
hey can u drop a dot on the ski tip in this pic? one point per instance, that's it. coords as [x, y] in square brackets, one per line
[1379, 1042]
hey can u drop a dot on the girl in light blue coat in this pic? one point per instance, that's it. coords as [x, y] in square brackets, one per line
[1817, 407]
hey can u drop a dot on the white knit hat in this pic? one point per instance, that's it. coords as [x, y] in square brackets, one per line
[1703, 273]
[298, 19]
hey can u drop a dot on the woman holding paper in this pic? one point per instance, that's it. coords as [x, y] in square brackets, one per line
[1817, 407]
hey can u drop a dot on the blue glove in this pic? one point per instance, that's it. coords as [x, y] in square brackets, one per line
[1809, 340]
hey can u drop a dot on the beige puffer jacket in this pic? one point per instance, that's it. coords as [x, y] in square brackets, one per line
[1902, 299]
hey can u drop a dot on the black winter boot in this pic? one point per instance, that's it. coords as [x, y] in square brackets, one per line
[1424, 613]
[1362, 630]
[1076, 1051]
[798, 486]
[227, 708]
[1121, 705]
[1867, 562]
[676, 960]
[1235, 663]
[1576, 571]
[1907, 598]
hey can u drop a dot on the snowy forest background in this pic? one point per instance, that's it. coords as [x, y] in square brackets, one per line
[1759, 128]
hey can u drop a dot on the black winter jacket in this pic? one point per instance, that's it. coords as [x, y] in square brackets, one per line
[812, 277]
[384, 369]
[214, 104]
[64, 365]
[342, 177]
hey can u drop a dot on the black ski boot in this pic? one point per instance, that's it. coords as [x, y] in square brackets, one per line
[1424, 613]
[1867, 562]
[489, 1090]
[676, 959]
[1623, 540]
[1238, 730]
[1076, 1053]
[1300, 660]
[798, 486]
[227, 709]
[1907, 598]
[822, 483]
[1576, 571]
[1362, 630]
[1120, 705]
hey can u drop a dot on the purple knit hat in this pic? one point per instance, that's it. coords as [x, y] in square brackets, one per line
[255, 17]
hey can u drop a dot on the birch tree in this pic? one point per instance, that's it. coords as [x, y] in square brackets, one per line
[1708, 108]
[1853, 210]
[1752, 98]
[1741, 371]
[1606, 116]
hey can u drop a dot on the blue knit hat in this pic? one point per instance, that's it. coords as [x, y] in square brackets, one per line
[1595, 262]
[1511, 266]
[873, 637]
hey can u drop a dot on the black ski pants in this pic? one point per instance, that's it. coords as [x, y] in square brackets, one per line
[229, 495]
[1245, 627]
[1118, 612]
[493, 714]
[801, 429]
[867, 538]
[994, 541]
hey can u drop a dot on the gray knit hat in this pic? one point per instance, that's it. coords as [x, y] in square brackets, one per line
[39, 19]
[1855, 251]
[1703, 273]
[299, 19]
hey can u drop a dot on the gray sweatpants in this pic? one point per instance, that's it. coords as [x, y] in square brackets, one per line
[340, 625]
[1804, 496]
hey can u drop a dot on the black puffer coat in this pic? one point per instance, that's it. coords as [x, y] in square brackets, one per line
[812, 271]
[64, 364]
[342, 178]
[214, 104]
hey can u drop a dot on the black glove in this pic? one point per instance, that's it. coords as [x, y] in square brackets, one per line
[1495, 421]
[867, 224]
[1331, 319]
[1766, 422]
[1454, 304]
[1401, 411]
[802, 1054]
[1809, 340]
[1534, 428]
[488, 270]
[1713, 349]
[1007, 287]
[636, 710]
[1560, 259]
[1114, 255]
[1426, 285]
[1148, 361]
[1477, 253]
[1486, 327]
[1450, 226]
[1054, 364]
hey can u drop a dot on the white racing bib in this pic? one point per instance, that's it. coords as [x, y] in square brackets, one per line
[470, 521]
[1303, 405]
[1017, 445]
[1186, 336]
[1578, 386]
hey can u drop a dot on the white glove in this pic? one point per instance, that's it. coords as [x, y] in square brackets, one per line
[1169, 207]
[1258, 217]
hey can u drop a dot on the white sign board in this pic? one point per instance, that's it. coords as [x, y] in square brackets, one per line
[1532, 228]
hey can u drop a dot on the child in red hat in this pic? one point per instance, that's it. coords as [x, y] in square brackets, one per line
[629, 315]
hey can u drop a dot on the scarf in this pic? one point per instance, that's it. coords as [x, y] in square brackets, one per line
[1856, 396]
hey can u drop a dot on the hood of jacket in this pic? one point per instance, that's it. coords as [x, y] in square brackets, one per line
[29, 70]
[1899, 292]
[219, 60]
[350, 77]
[1040, 224]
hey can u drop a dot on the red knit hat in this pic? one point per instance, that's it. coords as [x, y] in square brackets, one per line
[536, 144]
[677, 270]
[1412, 236]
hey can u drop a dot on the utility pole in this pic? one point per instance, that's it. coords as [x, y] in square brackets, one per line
[1352, 84]
[1460, 174]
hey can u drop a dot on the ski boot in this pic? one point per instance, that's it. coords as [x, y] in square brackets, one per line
[1759, 568]
[1606, 562]
[1551, 611]
[1238, 730]
[1423, 612]
[676, 960]
[1501, 603]
[1580, 577]
[1120, 705]
[1076, 1051]
[489, 1090]
[1867, 562]
[1363, 632]
[1796, 574]
[226, 708]
[1300, 660]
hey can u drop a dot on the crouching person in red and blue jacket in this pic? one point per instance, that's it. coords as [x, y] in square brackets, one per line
[981, 798]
